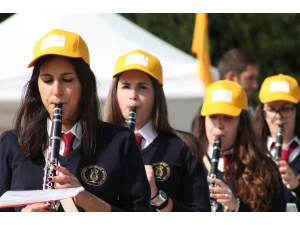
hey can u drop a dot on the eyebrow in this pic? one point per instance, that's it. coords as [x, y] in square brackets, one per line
[63, 74]
[282, 106]
[141, 83]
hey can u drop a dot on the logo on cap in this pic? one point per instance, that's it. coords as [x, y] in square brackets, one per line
[221, 95]
[53, 41]
[282, 86]
[137, 59]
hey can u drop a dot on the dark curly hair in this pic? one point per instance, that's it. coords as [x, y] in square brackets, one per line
[251, 174]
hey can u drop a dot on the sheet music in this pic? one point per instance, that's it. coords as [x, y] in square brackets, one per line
[17, 198]
[291, 207]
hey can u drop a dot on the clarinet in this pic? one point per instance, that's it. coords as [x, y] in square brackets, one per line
[214, 169]
[53, 153]
[279, 140]
[131, 118]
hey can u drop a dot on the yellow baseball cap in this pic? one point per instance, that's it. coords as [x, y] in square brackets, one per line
[140, 60]
[279, 87]
[60, 42]
[224, 97]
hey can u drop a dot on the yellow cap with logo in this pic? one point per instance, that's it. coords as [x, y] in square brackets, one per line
[140, 60]
[224, 97]
[60, 42]
[279, 87]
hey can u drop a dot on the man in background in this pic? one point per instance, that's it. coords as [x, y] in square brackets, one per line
[240, 66]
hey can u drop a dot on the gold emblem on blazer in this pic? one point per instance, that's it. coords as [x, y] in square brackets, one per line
[161, 170]
[298, 176]
[94, 175]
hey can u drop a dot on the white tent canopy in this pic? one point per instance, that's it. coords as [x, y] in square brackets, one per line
[108, 36]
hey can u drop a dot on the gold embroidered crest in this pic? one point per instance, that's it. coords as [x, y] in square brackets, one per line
[298, 176]
[93, 175]
[161, 170]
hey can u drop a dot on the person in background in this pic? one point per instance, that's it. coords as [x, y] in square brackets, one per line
[173, 159]
[246, 179]
[279, 96]
[240, 66]
[103, 158]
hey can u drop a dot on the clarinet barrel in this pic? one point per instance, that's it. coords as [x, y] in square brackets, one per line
[53, 152]
[131, 118]
[56, 131]
[279, 140]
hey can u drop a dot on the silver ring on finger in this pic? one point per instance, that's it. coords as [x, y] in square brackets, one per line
[32, 208]
[226, 195]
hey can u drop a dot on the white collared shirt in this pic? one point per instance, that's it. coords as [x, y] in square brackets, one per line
[221, 161]
[292, 155]
[76, 130]
[148, 133]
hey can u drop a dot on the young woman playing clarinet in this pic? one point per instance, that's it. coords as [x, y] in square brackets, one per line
[279, 96]
[246, 179]
[103, 158]
[173, 159]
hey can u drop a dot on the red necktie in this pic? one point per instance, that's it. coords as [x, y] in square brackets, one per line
[139, 140]
[286, 153]
[225, 159]
[68, 138]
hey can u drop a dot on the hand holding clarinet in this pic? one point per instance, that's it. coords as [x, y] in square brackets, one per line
[287, 174]
[51, 164]
[219, 191]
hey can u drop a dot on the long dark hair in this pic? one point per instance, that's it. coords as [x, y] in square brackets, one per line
[113, 114]
[251, 173]
[261, 127]
[31, 118]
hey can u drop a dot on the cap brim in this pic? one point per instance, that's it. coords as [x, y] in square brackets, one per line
[220, 108]
[137, 67]
[278, 96]
[58, 53]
